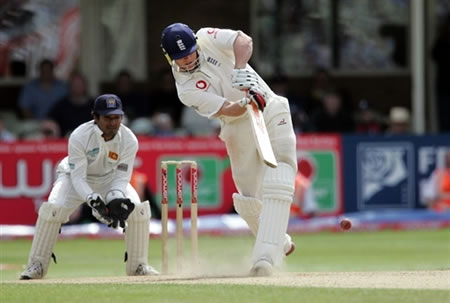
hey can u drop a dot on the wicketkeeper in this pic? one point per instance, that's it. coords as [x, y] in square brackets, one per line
[97, 171]
[213, 77]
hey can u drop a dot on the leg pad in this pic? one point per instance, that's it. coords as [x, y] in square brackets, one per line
[137, 237]
[249, 209]
[51, 216]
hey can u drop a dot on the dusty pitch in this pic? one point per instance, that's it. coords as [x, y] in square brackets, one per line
[377, 279]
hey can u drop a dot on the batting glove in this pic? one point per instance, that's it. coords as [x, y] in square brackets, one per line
[99, 209]
[244, 79]
[254, 97]
[258, 98]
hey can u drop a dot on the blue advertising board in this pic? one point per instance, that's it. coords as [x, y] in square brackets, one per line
[389, 171]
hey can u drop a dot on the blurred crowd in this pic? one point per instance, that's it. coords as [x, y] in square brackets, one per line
[327, 108]
[49, 107]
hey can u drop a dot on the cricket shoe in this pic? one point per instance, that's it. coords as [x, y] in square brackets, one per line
[262, 268]
[146, 270]
[289, 245]
[33, 271]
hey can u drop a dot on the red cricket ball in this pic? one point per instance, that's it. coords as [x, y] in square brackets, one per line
[345, 224]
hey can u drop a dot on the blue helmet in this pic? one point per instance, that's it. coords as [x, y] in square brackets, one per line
[178, 41]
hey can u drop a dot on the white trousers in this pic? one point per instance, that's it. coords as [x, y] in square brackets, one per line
[246, 166]
[63, 193]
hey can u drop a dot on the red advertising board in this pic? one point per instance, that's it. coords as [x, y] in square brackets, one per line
[319, 159]
[26, 178]
[27, 172]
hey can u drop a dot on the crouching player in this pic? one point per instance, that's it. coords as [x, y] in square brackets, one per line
[97, 171]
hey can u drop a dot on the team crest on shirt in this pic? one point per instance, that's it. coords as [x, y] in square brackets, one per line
[213, 32]
[201, 84]
[113, 155]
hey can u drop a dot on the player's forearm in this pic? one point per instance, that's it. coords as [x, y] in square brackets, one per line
[119, 183]
[80, 185]
[230, 108]
[243, 49]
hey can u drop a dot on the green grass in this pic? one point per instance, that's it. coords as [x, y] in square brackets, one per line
[100, 293]
[346, 251]
[372, 251]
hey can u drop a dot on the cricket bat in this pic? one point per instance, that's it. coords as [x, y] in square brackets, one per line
[261, 136]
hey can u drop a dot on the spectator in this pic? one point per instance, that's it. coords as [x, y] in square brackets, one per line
[6, 135]
[437, 189]
[441, 55]
[73, 109]
[300, 120]
[321, 84]
[196, 125]
[399, 121]
[33, 130]
[49, 130]
[163, 125]
[136, 103]
[331, 117]
[39, 95]
[368, 121]
[142, 126]
[165, 98]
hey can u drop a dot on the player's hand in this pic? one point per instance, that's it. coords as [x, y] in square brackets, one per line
[243, 79]
[99, 209]
[254, 97]
[119, 210]
[257, 98]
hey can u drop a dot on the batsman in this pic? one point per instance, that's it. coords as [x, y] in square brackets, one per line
[213, 77]
[97, 171]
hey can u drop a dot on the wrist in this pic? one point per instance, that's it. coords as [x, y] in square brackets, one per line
[93, 196]
[94, 199]
[114, 194]
[243, 102]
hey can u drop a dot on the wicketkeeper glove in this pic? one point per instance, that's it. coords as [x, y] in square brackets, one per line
[119, 210]
[99, 209]
[255, 97]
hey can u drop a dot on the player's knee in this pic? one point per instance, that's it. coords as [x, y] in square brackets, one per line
[54, 213]
[141, 212]
[246, 206]
[285, 151]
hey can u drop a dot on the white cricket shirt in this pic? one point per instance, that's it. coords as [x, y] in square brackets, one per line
[209, 86]
[91, 160]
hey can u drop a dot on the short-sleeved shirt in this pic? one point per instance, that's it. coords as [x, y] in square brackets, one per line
[209, 86]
